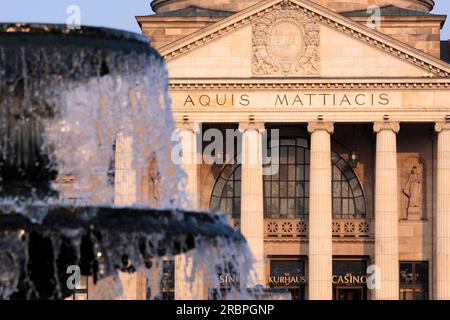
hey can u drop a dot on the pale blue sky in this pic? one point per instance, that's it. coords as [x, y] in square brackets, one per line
[117, 14]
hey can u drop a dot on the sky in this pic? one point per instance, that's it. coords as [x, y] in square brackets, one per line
[118, 14]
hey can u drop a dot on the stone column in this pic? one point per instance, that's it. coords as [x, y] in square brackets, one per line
[187, 132]
[320, 213]
[386, 211]
[442, 231]
[125, 174]
[252, 208]
[125, 194]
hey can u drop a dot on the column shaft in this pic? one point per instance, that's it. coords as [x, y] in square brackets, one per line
[125, 194]
[320, 214]
[442, 233]
[386, 211]
[125, 174]
[252, 210]
[188, 138]
[183, 263]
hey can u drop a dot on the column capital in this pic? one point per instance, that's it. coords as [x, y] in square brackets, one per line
[188, 125]
[441, 126]
[386, 125]
[259, 126]
[321, 125]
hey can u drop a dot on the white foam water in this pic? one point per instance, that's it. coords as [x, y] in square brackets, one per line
[129, 97]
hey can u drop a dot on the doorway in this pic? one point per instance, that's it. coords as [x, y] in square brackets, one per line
[345, 293]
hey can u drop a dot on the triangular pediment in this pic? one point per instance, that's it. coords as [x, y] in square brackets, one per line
[295, 38]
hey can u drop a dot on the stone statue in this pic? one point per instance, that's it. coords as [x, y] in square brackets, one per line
[413, 190]
[154, 179]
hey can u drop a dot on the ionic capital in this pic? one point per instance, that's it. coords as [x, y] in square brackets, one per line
[441, 126]
[321, 125]
[245, 126]
[188, 125]
[386, 125]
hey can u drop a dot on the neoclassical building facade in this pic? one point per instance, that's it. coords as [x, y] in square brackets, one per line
[360, 101]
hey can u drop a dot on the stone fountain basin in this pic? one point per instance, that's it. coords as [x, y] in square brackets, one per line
[100, 240]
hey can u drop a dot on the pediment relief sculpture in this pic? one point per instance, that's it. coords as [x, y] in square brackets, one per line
[286, 42]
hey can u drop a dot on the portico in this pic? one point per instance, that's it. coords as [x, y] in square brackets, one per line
[364, 135]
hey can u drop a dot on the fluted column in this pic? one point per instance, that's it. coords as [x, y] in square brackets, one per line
[442, 233]
[125, 194]
[125, 174]
[252, 209]
[386, 211]
[187, 132]
[320, 214]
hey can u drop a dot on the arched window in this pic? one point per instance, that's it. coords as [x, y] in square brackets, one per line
[286, 192]
[348, 196]
[226, 195]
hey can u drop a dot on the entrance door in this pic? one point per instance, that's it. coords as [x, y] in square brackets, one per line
[349, 294]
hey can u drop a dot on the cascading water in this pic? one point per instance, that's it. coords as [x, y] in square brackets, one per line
[70, 102]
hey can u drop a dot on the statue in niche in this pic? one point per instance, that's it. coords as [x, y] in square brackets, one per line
[413, 190]
[154, 178]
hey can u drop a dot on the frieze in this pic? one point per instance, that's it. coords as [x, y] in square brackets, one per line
[285, 99]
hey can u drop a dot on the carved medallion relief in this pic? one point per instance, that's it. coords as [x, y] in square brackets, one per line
[286, 42]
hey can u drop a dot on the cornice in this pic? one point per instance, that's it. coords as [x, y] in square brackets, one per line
[155, 19]
[434, 66]
[400, 19]
[308, 84]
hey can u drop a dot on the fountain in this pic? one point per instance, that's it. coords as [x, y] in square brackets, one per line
[66, 99]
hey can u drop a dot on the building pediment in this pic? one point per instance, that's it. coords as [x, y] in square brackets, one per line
[295, 38]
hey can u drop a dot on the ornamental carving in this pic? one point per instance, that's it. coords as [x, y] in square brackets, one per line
[412, 179]
[321, 125]
[386, 125]
[413, 189]
[286, 42]
[442, 126]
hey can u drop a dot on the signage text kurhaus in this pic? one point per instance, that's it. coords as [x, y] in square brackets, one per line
[289, 280]
[316, 99]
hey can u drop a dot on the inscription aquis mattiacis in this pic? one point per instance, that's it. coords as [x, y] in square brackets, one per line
[199, 100]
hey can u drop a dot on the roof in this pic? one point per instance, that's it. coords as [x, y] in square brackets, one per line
[193, 11]
[445, 51]
[387, 11]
